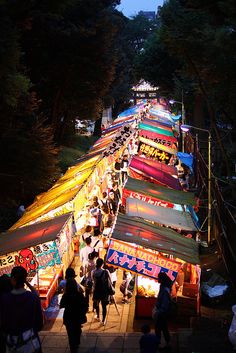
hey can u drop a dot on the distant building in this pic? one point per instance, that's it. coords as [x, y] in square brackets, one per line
[144, 90]
[150, 15]
[107, 117]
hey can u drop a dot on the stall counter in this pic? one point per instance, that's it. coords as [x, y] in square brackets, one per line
[48, 284]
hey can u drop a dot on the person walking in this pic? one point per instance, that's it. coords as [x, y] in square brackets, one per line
[127, 287]
[87, 266]
[112, 204]
[70, 273]
[74, 314]
[117, 168]
[21, 314]
[124, 169]
[97, 243]
[162, 306]
[84, 253]
[116, 191]
[101, 279]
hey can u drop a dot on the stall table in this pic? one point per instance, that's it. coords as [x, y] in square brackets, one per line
[47, 288]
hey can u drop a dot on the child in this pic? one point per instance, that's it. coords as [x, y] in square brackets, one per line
[148, 342]
[127, 287]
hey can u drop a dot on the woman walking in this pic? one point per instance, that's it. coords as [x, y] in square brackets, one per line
[75, 313]
[101, 279]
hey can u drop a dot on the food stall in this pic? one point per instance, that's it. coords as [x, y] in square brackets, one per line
[44, 249]
[146, 249]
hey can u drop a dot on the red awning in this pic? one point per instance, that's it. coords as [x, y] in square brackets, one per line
[150, 172]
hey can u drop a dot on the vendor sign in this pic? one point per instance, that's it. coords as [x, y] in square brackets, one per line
[159, 138]
[32, 259]
[152, 152]
[148, 199]
[157, 145]
[141, 261]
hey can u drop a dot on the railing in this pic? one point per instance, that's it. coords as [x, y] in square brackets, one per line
[223, 222]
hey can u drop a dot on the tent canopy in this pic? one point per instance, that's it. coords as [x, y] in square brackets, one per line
[166, 140]
[32, 235]
[186, 158]
[162, 215]
[160, 176]
[131, 111]
[160, 192]
[148, 235]
[170, 169]
[157, 124]
[155, 129]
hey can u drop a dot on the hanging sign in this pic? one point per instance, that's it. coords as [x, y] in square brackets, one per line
[154, 153]
[141, 261]
[152, 200]
[64, 240]
[118, 141]
[159, 138]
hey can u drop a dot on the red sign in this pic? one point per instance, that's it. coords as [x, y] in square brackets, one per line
[152, 200]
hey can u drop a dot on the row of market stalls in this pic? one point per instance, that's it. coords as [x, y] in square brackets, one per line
[158, 228]
[42, 240]
[154, 233]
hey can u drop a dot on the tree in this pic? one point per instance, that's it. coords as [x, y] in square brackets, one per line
[197, 37]
[30, 162]
[72, 59]
[130, 41]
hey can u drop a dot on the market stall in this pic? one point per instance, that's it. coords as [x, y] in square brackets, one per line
[170, 217]
[44, 249]
[148, 189]
[146, 249]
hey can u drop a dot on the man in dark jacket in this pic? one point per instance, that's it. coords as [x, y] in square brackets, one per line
[101, 279]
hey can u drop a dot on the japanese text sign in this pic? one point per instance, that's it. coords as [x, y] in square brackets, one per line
[152, 200]
[154, 153]
[141, 261]
[32, 259]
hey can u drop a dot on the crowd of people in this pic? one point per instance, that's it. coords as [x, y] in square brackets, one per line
[20, 312]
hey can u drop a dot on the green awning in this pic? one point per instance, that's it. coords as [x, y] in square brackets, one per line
[162, 215]
[155, 129]
[160, 192]
[144, 233]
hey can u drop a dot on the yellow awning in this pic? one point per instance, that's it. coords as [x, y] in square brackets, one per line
[40, 210]
[71, 172]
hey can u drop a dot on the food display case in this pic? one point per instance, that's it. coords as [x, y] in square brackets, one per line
[146, 294]
[46, 282]
[187, 297]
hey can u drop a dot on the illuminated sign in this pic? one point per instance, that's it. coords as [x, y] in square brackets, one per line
[140, 261]
[154, 153]
[167, 141]
[33, 258]
[152, 200]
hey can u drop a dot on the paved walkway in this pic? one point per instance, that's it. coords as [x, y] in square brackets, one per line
[92, 342]
[206, 334]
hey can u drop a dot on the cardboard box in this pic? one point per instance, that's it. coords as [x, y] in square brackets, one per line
[188, 306]
[190, 290]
